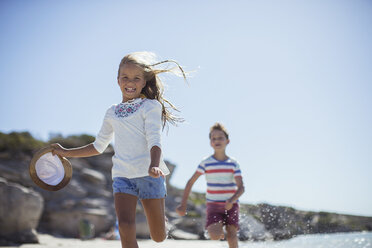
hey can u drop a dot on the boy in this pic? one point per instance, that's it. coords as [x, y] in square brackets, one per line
[224, 187]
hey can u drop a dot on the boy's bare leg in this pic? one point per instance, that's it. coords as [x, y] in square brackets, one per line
[155, 214]
[125, 205]
[232, 236]
[215, 231]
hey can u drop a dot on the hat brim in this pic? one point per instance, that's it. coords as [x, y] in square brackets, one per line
[66, 166]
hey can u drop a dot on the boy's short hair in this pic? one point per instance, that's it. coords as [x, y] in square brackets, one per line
[219, 126]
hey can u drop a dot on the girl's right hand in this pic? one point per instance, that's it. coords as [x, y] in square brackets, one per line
[58, 150]
[155, 172]
[181, 210]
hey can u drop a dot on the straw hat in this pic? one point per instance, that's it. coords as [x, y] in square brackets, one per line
[48, 171]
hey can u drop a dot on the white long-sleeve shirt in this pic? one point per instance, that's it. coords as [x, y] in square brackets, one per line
[136, 127]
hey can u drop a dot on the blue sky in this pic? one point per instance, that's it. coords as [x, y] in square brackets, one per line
[291, 81]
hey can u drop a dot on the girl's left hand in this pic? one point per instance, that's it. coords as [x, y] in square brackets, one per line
[156, 172]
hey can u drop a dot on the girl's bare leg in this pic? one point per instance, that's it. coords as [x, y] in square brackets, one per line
[125, 205]
[232, 236]
[215, 231]
[155, 214]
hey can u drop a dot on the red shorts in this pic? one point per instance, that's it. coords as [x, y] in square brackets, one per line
[216, 213]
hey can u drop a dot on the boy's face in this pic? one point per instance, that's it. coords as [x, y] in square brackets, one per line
[219, 140]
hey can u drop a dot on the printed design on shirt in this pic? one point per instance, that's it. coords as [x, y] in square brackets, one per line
[127, 109]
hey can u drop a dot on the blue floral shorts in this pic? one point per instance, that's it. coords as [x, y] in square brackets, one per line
[142, 187]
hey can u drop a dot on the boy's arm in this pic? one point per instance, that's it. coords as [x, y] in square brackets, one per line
[238, 193]
[181, 209]
[78, 152]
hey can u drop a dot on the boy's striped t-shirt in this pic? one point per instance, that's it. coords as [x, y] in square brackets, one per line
[220, 177]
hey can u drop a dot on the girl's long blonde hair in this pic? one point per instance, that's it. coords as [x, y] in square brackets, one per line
[154, 87]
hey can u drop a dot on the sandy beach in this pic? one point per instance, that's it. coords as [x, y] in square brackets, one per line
[48, 241]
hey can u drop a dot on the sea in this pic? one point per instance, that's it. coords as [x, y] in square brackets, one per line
[337, 240]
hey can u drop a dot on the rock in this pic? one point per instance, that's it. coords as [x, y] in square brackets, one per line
[179, 234]
[102, 162]
[252, 229]
[66, 222]
[280, 234]
[16, 171]
[92, 176]
[74, 189]
[142, 228]
[171, 168]
[194, 225]
[20, 211]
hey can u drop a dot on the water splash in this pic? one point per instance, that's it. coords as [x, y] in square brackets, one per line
[340, 240]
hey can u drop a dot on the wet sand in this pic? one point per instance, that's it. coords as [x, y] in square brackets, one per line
[48, 241]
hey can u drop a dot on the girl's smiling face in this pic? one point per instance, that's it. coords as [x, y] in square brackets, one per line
[131, 81]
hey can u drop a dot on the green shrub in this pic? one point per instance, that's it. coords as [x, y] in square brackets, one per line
[19, 141]
[24, 142]
[72, 140]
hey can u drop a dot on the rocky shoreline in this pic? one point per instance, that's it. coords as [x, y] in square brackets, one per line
[26, 209]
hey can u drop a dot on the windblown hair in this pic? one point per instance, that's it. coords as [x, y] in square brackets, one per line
[154, 87]
[219, 126]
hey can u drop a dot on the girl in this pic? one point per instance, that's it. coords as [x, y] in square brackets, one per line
[138, 168]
